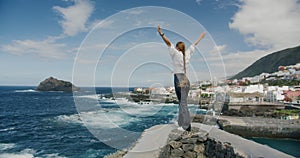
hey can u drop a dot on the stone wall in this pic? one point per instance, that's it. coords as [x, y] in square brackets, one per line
[196, 144]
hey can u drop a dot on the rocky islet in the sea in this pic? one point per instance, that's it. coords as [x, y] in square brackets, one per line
[53, 84]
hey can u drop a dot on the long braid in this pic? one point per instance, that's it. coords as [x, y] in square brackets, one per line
[184, 62]
[181, 47]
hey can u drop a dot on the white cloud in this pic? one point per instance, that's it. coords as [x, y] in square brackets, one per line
[47, 48]
[75, 17]
[218, 48]
[269, 23]
[237, 61]
[232, 62]
[198, 2]
[224, 4]
[75, 20]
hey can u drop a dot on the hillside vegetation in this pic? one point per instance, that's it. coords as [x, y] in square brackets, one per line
[271, 62]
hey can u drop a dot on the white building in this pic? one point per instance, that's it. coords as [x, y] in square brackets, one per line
[254, 79]
[221, 89]
[237, 89]
[245, 97]
[159, 91]
[195, 93]
[274, 96]
[235, 81]
[264, 75]
[296, 75]
[254, 89]
[283, 88]
[275, 93]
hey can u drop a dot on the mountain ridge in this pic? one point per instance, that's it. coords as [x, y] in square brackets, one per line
[271, 62]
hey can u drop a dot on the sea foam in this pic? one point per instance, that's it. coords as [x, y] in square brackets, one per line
[26, 90]
[7, 129]
[98, 119]
[92, 96]
[6, 146]
[26, 153]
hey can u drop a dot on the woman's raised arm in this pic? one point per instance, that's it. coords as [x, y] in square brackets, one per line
[202, 35]
[166, 40]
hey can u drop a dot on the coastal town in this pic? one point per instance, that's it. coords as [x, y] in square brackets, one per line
[263, 94]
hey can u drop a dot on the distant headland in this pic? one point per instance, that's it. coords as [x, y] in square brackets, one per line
[53, 84]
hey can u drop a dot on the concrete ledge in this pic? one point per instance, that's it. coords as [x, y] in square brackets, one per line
[260, 127]
[151, 142]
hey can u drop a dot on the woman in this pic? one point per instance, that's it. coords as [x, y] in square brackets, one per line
[181, 58]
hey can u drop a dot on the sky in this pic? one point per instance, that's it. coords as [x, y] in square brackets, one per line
[115, 43]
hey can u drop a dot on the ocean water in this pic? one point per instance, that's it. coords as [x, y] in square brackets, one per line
[289, 146]
[53, 125]
[48, 124]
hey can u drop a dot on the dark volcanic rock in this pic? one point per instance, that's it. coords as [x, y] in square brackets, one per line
[196, 144]
[53, 84]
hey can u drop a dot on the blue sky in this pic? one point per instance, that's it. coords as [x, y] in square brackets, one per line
[66, 38]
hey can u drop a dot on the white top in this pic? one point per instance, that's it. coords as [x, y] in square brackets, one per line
[177, 58]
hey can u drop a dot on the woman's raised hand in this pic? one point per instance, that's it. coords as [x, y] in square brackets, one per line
[202, 35]
[159, 29]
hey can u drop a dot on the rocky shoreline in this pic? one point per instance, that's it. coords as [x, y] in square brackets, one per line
[136, 97]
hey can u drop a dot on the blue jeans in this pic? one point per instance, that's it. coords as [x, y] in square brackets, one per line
[182, 91]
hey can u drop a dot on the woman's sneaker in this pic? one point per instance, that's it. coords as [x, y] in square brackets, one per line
[180, 129]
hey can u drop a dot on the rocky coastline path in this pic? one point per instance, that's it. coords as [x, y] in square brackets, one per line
[154, 141]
